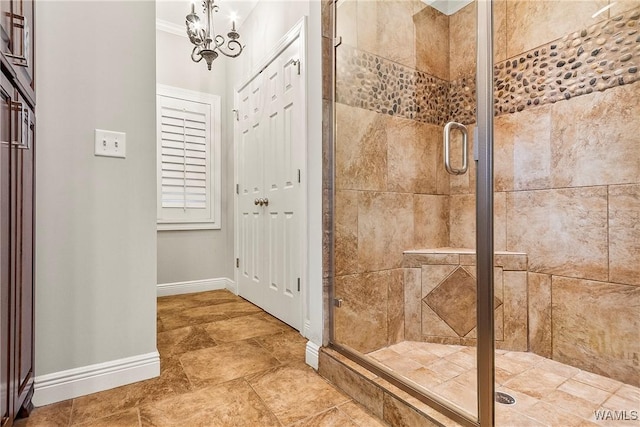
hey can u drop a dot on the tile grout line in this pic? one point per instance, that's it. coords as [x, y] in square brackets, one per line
[73, 403]
[261, 399]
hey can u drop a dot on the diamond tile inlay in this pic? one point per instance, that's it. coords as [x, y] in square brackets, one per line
[454, 300]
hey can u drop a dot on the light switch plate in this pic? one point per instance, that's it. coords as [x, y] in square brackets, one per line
[110, 144]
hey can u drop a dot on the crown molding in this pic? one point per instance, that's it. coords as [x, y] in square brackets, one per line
[171, 28]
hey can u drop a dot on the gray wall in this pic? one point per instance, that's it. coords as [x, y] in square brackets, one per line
[95, 216]
[196, 254]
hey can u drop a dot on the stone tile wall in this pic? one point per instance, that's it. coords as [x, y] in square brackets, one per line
[567, 174]
[570, 174]
[390, 191]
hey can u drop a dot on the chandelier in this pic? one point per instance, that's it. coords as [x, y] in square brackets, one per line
[206, 45]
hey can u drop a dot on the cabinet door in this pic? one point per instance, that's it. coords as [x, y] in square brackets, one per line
[17, 23]
[22, 249]
[24, 287]
[5, 277]
[5, 25]
[14, 248]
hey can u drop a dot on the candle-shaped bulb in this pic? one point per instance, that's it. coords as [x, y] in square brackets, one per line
[232, 17]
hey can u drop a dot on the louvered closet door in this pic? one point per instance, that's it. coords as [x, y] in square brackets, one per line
[185, 153]
[270, 159]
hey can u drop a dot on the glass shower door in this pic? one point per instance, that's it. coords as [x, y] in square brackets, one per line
[521, 275]
[405, 262]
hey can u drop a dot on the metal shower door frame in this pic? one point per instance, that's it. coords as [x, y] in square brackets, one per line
[484, 215]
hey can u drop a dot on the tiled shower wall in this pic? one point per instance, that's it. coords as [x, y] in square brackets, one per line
[391, 194]
[567, 162]
[567, 175]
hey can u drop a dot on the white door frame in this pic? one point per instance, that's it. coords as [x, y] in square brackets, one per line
[298, 31]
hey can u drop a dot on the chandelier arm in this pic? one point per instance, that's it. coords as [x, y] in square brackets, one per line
[232, 45]
[194, 54]
[218, 40]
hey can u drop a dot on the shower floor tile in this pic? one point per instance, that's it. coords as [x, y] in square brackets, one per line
[547, 392]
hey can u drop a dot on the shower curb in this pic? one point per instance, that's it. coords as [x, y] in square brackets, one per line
[384, 400]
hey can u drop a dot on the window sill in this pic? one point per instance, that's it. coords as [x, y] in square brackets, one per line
[177, 226]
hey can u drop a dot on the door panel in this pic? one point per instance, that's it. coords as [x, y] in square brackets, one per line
[24, 294]
[250, 174]
[16, 244]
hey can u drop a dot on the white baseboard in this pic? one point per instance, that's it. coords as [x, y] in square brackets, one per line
[306, 328]
[59, 386]
[232, 286]
[312, 355]
[192, 286]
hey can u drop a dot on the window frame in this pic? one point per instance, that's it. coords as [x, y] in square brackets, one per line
[213, 220]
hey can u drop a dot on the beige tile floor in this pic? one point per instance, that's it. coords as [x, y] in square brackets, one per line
[547, 393]
[224, 362]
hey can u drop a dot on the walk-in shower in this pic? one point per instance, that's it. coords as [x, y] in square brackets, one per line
[541, 229]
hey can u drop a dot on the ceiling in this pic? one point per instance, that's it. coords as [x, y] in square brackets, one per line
[174, 11]
[448, 7]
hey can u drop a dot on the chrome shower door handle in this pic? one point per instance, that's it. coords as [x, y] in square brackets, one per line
[449, 127]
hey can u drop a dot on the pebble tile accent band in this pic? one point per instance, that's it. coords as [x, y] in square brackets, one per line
[600, 57]
[462, 100]
[368, 81]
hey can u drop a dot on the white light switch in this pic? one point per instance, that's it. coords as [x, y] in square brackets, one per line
[110, 144]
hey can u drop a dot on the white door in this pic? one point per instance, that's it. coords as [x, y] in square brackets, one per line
[271, 140]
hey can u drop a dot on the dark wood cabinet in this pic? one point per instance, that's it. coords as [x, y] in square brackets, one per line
[17, 191]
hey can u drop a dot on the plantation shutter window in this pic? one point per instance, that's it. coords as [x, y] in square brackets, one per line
[188, 160]
[185, 153]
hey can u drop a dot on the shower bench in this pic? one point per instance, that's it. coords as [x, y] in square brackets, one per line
[440, 297]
